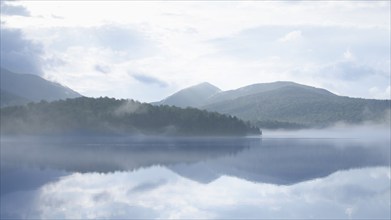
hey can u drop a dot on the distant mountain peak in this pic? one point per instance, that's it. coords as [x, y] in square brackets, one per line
[193, 96]
[20, 88]
[203, 86]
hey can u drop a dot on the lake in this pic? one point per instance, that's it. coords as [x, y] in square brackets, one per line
[138, 177]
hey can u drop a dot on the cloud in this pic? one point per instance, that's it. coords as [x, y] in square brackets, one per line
[347, 78]
[129, 107]
[102, 68]
[57, 17]
[19, 54]
[348, 55]
[8, 9]
[226, 43]
[348, 71]
[291, 36]
[379, 93]
[146, 79]
[121, 39]
[147, 186]
[101, 196]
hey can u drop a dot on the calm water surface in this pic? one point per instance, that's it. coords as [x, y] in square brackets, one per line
[57, 178]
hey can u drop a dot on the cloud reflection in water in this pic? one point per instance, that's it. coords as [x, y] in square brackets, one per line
[275, 178]
[363, 193]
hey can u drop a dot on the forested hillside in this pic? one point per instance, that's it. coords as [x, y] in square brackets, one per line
[297, 107]
[111, 116]
[290, 105]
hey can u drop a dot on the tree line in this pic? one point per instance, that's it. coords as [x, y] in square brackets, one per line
[112, 116]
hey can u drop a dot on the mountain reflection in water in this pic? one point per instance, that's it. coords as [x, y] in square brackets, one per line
[32, 164]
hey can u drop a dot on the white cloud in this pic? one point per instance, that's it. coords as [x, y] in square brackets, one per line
[379, 93]
[291, 36]
[348, 55]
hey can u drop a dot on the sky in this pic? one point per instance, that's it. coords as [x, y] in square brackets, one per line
[147, 50]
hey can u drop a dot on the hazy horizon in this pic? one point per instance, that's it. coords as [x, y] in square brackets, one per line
[149, 50]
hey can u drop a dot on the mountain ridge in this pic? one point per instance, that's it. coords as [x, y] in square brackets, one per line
[285, 104]
[30, 88]
[258, 88]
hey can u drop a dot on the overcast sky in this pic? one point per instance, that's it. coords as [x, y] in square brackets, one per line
[148, 50]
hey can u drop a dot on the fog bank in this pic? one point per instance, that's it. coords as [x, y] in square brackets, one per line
[337, 131]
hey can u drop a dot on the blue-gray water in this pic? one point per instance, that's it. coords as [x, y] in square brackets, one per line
[78, 178]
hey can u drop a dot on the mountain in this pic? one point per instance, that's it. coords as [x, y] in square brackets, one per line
[292, 105]
[194, 96]
[9, 99]
[259, 88]
[23, 88]
[89, 116]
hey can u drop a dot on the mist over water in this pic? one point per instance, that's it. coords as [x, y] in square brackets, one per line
[340, 130]
[276, 176]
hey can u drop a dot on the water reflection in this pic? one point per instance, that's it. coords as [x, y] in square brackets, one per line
[277, 161]
[288, 161]
[194, 178]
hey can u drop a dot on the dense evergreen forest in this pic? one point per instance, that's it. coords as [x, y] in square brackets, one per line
[83, 115]
[293, 107]
[283, 105]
